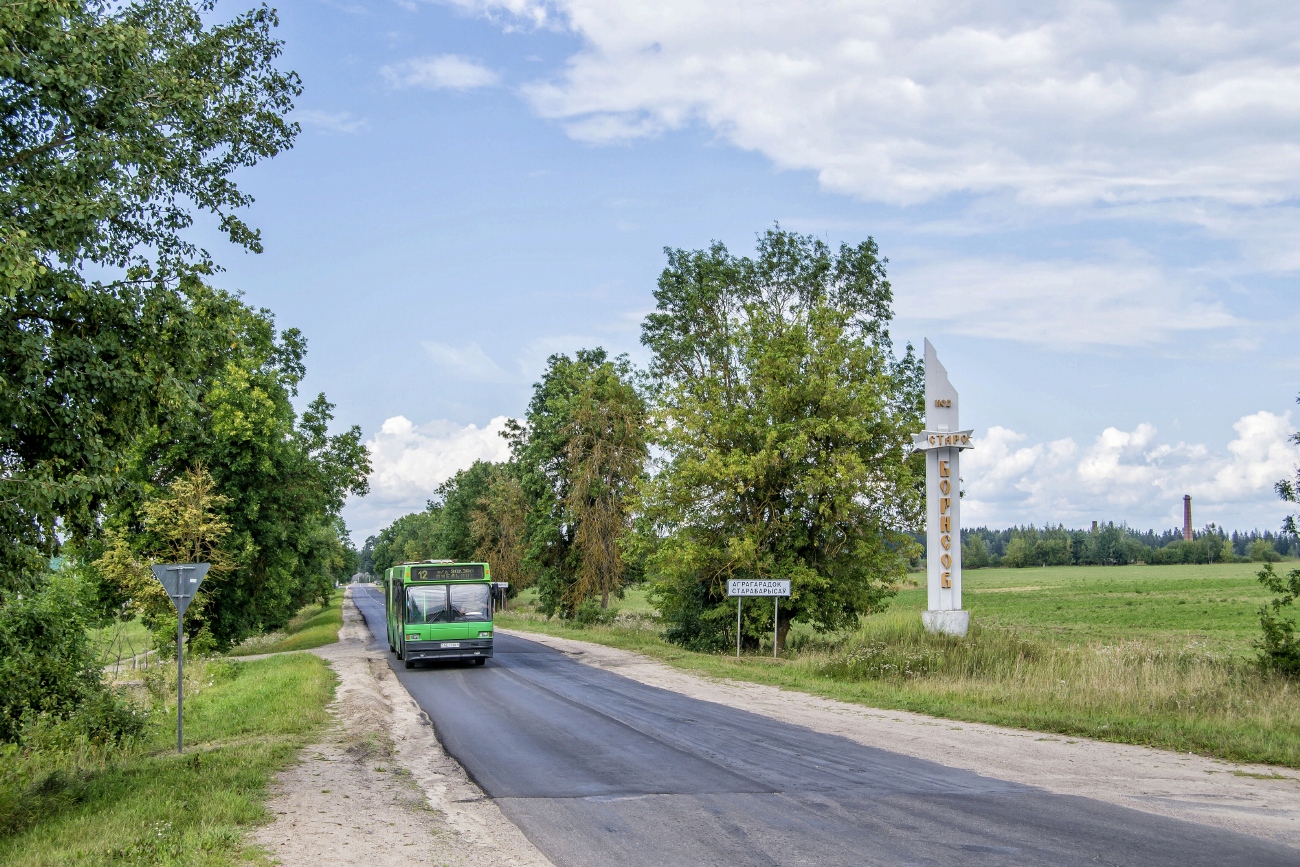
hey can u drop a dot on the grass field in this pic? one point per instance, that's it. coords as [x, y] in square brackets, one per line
[147, 805]
[1148, 655]
[313, 626]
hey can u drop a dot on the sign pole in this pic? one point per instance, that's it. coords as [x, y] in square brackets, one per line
[180, 680]
[776, 621]
[181, 587]
[738, 601]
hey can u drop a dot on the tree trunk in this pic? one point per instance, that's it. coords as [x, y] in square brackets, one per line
[604, 601]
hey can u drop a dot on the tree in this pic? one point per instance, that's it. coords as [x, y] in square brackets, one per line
[499, 524]
[409, 539]
[182, 525]
[117, 123]
[459, 497]
[974, 553]
[784, 424]
[283, 477]
[606, 451]
[577, 459]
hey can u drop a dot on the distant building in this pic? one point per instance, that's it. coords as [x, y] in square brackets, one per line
[1187, 517]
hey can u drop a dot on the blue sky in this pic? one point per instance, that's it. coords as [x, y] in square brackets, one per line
[1090, 209]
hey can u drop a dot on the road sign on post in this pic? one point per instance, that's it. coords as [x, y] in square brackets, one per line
[181, 581]
[741, 588]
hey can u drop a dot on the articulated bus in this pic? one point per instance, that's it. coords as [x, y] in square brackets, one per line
[439, 610]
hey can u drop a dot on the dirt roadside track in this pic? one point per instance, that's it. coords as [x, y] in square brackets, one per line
[378, 789]
[1181, 786]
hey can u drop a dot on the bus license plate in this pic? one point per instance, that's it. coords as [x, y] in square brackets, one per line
[447, 644]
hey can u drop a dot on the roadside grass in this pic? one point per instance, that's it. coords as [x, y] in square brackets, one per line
[1151, 673]
[313, 626]
[73, 804]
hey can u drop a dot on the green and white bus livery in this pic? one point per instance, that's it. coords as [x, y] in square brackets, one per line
[439, 610]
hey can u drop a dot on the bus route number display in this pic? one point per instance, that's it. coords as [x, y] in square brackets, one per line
[447, 573]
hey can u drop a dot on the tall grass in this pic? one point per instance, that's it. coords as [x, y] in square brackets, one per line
[312, 626]
[65, 801]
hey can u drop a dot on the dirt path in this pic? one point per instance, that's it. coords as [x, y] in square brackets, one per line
[1259, 800]
[378, 789]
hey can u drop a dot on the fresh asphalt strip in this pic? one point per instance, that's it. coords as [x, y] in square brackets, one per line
[599, 770]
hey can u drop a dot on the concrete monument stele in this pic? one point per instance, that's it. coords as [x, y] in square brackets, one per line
[943, 441]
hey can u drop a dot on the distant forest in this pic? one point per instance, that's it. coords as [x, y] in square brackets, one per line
[1113, 544]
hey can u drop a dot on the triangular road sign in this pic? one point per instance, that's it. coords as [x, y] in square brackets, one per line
[181, 581]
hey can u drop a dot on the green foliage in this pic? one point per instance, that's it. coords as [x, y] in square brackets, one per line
[281, 478]
[784, 421]
[1262, 552]
[578, 455]
[975, 554]
[460, 497]
[1279, 649]
[48, 670]
[118, 123]
[410, 538]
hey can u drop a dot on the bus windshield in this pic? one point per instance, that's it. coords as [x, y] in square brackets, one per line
[442, 603]
[470, 602]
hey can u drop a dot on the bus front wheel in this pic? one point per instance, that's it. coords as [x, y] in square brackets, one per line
[480, 661]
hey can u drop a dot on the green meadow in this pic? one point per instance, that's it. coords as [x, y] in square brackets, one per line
[1215, 604]
[1154, 655]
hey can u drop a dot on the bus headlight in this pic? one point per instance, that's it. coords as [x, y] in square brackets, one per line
[485, 635]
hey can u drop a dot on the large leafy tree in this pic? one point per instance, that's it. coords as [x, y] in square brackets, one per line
[118, 123]
[784, 422]
[579, 453]
[283, 479]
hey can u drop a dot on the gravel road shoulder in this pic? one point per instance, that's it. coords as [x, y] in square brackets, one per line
[378, 789]
[1259, 800]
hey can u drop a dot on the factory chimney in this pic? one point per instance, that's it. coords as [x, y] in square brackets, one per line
[1187, 517]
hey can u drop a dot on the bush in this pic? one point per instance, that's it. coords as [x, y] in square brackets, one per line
[1279, 650]
[1262, 551]
[589, 613]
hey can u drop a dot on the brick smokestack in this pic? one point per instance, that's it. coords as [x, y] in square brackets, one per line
[1187, 517]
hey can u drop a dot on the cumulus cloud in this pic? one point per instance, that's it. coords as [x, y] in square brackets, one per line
[439, 72]
[1060, 303]
[338, 123]
[410, 461]
[1130, 476]
[1054, 103]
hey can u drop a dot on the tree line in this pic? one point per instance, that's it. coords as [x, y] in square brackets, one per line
[1112, 544]
[768, 438]
[146, 414]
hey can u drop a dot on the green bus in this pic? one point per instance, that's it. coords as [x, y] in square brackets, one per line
[439, 609]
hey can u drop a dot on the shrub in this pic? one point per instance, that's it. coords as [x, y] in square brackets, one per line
[1279, 650]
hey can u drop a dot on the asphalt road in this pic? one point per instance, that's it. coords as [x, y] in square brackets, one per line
[600, 770]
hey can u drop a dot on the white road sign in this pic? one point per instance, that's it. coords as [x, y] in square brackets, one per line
[758, 588]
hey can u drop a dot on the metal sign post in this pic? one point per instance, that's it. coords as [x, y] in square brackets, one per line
[181, 581]
[776, 589]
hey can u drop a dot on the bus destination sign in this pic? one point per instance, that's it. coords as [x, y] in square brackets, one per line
[471, 572]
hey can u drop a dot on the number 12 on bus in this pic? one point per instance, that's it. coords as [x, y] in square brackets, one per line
[439, 610]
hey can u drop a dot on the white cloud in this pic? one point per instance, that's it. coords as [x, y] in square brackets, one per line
[1061, 303]
[443, 71]
[1131, 476]
[466, 361]
[409, 462]
[903, 102]
[339, 123]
